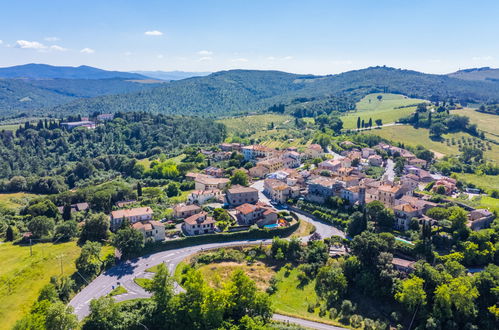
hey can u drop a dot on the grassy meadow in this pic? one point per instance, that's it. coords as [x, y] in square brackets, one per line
[22, 276]
[485, 182]
[248, 125]
[420, 136]
[387, 109]
[485, 122]
[15, 200]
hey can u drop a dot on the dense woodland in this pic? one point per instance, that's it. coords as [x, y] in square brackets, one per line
[243, 91]
[46, 155]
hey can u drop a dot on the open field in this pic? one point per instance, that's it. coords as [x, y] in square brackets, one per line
[250, 124]
[386, 109]
[218, 273]
[412, 136]
[12, 127]
[22, 276]
[147, 162]
[15, 200]
[485, 122]
[485, 182]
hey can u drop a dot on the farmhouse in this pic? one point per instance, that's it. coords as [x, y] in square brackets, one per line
[132, 215]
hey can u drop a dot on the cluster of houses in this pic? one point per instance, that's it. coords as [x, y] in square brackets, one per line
[87, 123]
[285, 178]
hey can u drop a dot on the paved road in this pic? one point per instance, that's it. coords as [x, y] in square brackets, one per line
[305, 323]
[389, 174]
[124, 274]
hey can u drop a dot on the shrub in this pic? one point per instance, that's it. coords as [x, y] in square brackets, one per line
[356, 321]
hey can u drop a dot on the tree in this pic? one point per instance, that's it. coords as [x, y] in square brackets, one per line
[437, 129]
[60, 317]
[239, 177]
[9, 234]
[66, 211]
[377, 213]
[331, 284]
[368, 246]
[128, 241]
[379, 122]
[104, 315]
[458, 294]
[66, 230]
[96, 228]
[162, 287]
[411, 293]
[379, 97]
[357, 224]
[358, 122]
[88, 262]
[41, 226]
[172, 190]
[370, 123]
[139, 189]
[43, 208]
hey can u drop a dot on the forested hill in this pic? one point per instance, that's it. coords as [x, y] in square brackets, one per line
[484, 73]
[242, 91]
[23, 95]
[47, 149]
[45, 71]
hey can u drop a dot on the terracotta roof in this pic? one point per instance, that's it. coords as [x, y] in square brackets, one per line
[402, 262]
[246, 208]
[237, 189]
[354, 189]
[131, 212]
[389, 188]
[211, 180]
[184, 208]
[405, 208]
[315, 147]
[193, 219]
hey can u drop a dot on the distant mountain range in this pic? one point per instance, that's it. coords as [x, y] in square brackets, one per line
[226, 92]
[44, 71]
[171, 75]
[485, 73]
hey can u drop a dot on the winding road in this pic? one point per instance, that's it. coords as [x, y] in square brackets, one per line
[125, 273]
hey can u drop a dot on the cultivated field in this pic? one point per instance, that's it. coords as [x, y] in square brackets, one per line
[485, 182]
[412, 136]
[15, 200]
[485, 122]
[248, 125]
[387, 109]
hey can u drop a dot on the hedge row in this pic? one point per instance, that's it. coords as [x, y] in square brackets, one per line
[252, 234]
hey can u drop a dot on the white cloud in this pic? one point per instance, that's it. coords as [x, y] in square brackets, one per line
[30, 44]
[160, 56]
[287, 58]
[127, 53]
[482, 58]
[240, 60]
[271, 58]
[51, 39]
[153, 33]
[58, 48]
[87, 51]
[205, 52]
[205, 58]
[1, 42]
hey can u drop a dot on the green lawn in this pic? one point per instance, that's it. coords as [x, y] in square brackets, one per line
[387, 109]
[22, 276]
[486, 122]
[143, 282]
[147, 162]
[12, 127]
[487, 202]
[250, 124]
[15, 200]
[485, 182]
[117, 291]
[412, 136]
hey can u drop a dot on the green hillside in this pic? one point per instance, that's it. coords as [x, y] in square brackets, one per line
[245, 91]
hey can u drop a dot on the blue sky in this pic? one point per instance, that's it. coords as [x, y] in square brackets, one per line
[308, 36]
